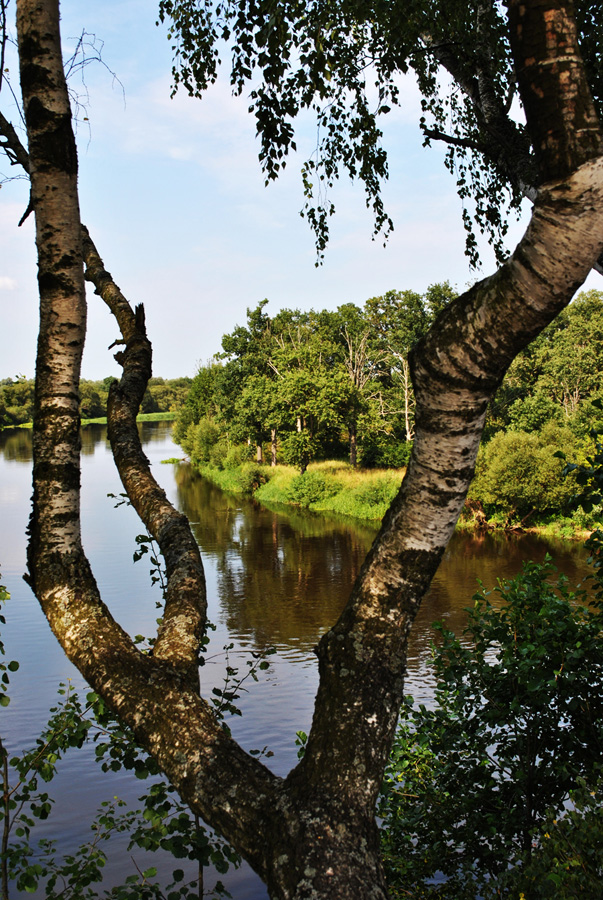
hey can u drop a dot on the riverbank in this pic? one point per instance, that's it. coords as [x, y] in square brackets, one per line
[331, 486]
[141, 417]
[335, 487]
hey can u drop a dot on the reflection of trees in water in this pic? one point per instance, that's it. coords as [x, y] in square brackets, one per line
[285, 576]
[15, 444]
[92, 436]
[153, 432]
[276, 581]
[285, 587]
[95, 435]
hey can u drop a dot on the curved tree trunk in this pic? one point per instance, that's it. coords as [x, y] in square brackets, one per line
[313, 834]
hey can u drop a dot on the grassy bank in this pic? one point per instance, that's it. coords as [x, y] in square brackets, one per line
[576, 527]
[141, 417]
[331, 486]
[336, 487]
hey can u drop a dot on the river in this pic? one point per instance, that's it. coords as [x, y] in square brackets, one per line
[276, 578]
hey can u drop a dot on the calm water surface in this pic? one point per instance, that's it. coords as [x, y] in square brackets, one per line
[275, 579]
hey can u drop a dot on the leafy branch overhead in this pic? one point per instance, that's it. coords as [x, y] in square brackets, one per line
[344, 62]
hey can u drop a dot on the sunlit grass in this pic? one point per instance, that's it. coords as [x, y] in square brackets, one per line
[333, 486]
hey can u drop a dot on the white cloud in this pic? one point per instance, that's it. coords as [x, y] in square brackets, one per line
[7, 284]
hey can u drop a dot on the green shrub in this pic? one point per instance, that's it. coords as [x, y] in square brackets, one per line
[518, 473]
[375, 492]
[588, 417]
[184, 421]
[384, 451]
[533, 413]
[311, 487]
[218, 454]
[18, 415]
[250, 477]
[187, 440]
[207, 435]
[236, 455]
[567, 861]
[517, 722]
[298, 449]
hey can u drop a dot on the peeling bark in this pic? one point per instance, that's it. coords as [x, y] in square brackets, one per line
[313, 834]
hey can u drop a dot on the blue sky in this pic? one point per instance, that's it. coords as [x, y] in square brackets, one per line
[172, 193]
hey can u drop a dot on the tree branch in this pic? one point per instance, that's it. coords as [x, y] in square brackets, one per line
[184, 616]
[501, 142]
[362, 659]
[16, 153]
[437, 135]
[12, 146]
[154, 695]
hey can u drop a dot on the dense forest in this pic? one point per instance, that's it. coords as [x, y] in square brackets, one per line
[17, 398]
[298, 387]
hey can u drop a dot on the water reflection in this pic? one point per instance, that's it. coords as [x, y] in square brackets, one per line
[472, 560]
[284, 576]
[275, 577]
[15, 444]
[94, 436]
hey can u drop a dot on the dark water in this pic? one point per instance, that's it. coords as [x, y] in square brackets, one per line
[275, 579]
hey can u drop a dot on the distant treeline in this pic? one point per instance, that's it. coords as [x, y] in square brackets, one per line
[302, 386]
[16, 398]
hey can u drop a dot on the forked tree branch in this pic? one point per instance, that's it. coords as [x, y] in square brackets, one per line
[184, 617]
[155, 695]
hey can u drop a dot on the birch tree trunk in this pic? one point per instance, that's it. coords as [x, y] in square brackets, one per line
[55, 526]
[312, 834]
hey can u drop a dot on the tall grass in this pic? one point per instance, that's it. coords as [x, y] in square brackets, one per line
[330, 486]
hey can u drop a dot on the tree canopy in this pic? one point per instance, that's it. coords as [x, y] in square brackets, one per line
[303, 379]
[343, 61]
